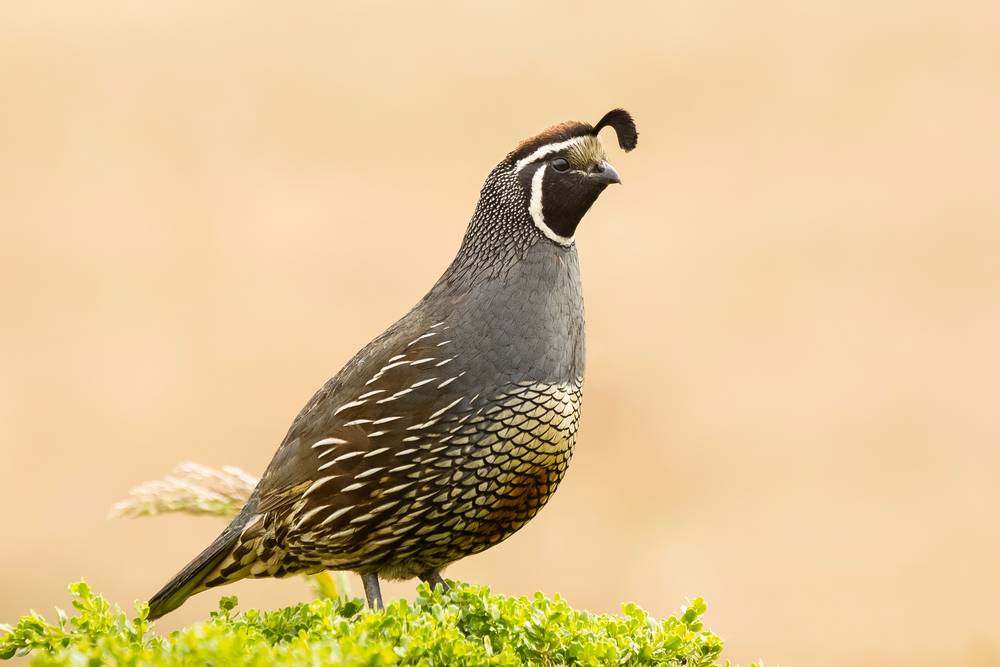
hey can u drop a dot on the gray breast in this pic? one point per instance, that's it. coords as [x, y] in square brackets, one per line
[443, 436]
[527, 325]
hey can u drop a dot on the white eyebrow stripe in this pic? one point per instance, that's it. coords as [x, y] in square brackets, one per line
[548, 149]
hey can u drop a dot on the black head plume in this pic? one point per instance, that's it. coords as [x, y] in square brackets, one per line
[623, 125]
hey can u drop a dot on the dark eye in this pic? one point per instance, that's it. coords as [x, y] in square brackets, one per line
[560, 164]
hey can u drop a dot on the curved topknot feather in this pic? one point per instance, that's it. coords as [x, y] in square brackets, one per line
[623, 125]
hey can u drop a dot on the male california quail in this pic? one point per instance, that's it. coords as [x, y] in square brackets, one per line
[448, 432]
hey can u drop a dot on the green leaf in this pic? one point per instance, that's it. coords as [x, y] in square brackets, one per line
[467, 626]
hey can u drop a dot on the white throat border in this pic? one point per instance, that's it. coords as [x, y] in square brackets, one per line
[535, 209]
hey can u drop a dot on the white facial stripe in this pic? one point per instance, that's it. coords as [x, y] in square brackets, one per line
[535, 208]
[546, 150]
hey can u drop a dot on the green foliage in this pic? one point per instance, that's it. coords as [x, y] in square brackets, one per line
[467, 626]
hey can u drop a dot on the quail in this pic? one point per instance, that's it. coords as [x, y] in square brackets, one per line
[449, 431]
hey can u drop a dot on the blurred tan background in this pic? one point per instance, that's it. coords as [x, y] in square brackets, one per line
[793, 301]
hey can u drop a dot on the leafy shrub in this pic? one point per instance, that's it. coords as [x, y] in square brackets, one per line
[466, 626]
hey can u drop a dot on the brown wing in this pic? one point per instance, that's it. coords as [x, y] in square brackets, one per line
[357, 451]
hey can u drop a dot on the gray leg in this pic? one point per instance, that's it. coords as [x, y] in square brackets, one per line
[372, 591]
[434, 579]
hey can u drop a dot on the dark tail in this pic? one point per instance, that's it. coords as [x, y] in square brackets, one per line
[192, 579]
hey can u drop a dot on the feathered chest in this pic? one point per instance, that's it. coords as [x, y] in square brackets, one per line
[465, 412]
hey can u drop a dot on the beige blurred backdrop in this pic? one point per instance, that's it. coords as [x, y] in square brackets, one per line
[793, 321]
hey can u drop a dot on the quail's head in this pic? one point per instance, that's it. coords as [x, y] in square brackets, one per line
[560, 172]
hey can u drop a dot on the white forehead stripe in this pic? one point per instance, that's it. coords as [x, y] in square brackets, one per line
[535, 208]
[546, 150]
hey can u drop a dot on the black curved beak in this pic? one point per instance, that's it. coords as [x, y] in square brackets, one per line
[603, 172]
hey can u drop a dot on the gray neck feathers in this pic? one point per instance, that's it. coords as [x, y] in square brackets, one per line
[511, 290]
[499, 234]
